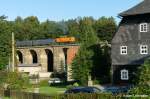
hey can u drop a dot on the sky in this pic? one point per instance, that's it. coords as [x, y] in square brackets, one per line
[57, 10]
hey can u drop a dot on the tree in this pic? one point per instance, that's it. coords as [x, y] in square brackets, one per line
[31, 28]
[84, 29]
[82, 65]
[101, 63]
[83, 62]
[87, 33]
[105, 28]
[73, 28]
[51, 29]
[18, 29]
[5, 42]
[143, 80]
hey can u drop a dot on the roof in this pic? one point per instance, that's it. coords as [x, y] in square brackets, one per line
[141, 8]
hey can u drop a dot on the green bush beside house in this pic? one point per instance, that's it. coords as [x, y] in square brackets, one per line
[143, 80]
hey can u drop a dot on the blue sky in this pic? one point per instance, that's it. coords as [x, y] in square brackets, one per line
[58, 10]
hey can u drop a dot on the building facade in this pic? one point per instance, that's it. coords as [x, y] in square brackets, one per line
[131, 43]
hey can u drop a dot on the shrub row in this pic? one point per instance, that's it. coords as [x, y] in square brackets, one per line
[27, 95]
[88, 96]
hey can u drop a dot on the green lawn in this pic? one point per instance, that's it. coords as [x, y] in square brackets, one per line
[5, 98]
[50, 90]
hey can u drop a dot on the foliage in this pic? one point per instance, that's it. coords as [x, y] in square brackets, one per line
[14, 80]
[92, 57]
[69, 87]
[75, 84]
[30, 28]
[24, 95]
[51, 29]
[101, 63]
[143, 80]
[73, 28]
[105, 28]
[72, 86]
[88, 96]
[5, 42]
[83, 62]
[3, 75]
[17, 80]
[81, 66]
[50, 95]
[87, 30]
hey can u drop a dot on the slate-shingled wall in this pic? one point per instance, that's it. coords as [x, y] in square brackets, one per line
[128, 34]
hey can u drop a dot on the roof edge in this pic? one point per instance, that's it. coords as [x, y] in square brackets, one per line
[124, 13]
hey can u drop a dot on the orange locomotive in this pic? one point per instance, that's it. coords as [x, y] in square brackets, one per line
[65, 39]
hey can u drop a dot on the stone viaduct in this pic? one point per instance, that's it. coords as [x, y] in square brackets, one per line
[44, 57]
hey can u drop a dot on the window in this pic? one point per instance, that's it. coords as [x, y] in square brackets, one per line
[123, 50]
[124, 74]
[143, 27]
[143, 49]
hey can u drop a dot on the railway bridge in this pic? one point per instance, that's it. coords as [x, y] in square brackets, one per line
[44, 57]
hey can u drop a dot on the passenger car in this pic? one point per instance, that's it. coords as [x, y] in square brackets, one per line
[117, 89]
[83, 90]
[54, 81]
[113, 90]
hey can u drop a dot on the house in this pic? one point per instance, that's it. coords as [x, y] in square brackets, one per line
[131, 43]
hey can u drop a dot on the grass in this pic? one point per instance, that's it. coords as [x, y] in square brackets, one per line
[49, 90]
[52, 90]
[5, 98]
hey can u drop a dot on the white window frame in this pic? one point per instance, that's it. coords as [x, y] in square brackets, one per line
[123, 50]
[143, 49]
[124, 74]
[143, 27]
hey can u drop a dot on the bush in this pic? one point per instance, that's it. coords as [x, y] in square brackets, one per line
[88, 96]
[143, 80]
[14, 80]
[3, 75]
[27, 95]
[69, 87]
[75, 84]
